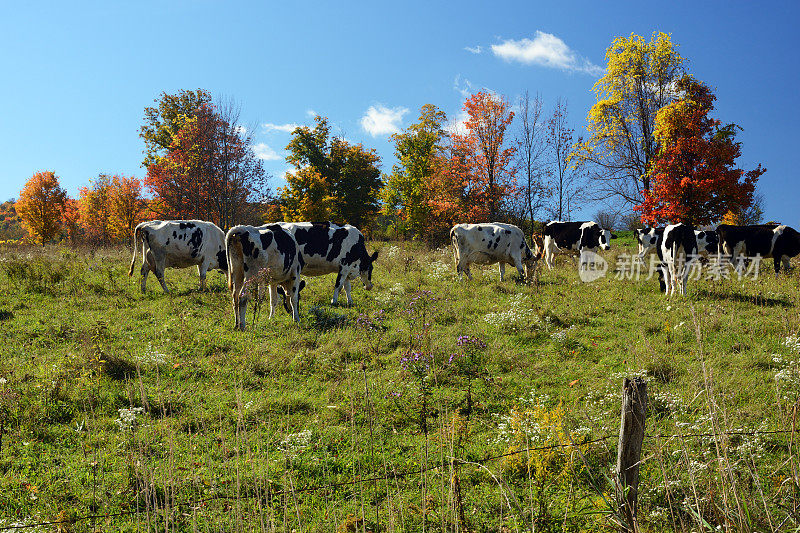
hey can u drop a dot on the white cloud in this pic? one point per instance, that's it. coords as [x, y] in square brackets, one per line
[547, 50]
[310, 113]
[474, 49]
[382, 120]
[263, 151]
[457, 124]
[286, 128]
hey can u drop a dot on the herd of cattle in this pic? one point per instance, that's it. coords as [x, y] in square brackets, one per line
[277, 254]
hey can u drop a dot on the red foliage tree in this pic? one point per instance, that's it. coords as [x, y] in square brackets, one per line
[40, 206]
[694, 179]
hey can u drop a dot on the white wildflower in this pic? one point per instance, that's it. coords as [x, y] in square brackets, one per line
[127, 417]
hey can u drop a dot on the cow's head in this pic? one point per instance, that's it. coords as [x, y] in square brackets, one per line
[647, 239]
[537, 249]
[605, 239]
[593, 236]
[366, 269]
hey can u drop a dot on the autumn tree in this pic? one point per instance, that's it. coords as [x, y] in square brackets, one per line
[489, 156]
[127, 206]
[694, 178]
[40, 206]
[10, 227]
[531, 147]
[743, 216]
[419, 152]
[70, 220]
[210, 170]
[345, 178]
[639, 80]
[163, 121]
[565, 178]
[94, 203]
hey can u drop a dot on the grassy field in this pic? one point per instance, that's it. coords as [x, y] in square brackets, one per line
[149, 412]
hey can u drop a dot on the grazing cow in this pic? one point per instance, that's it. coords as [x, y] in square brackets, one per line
[266, 254]
[707, 242]
[649, 240]
[178, 244]
[677, 252]
[574, 237]
[781, 243]
[327, 248]
[490, 243]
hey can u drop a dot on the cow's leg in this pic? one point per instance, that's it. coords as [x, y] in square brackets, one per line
[292, 289]
[786, 265]
[520, 268]
[337, 287]
[347, 291]
[239, 305]
[202, 269]
[273, 299]
[145, 271]
[159, 262]
[502, 270]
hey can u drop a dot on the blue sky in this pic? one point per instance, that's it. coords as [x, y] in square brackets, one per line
[77, 76]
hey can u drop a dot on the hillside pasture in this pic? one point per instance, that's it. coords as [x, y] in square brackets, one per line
[433, 403]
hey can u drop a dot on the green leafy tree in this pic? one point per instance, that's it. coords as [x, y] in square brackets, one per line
[345, 177]
[419, 152]
[621, 145]
[163, 121]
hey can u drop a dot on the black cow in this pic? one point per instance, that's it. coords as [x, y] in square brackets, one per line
[327, 248]
[575, 237]
[178, 244]
[781, 243]
[266, 254]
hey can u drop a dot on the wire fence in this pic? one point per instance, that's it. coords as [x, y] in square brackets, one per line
[394, 475]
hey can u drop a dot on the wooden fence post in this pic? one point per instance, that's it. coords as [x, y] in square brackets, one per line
[629, 450]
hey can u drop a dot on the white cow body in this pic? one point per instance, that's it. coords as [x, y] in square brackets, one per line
[490, 243]
[178, 244]
[678, 252]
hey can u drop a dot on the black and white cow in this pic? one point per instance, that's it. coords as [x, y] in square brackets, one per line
[707, 242]
[781, 243]
[677, 252]
[263, 255]
[574, 237]
[327, 248]
[490, 243]
[649, 240]
[178, 244]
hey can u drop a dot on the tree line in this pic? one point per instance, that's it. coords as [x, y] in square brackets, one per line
[652, 152]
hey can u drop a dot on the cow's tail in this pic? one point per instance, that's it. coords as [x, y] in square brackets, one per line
[454, 240]
[233, 249]
[137, 243]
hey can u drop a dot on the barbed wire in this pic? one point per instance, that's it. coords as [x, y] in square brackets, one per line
[395, 475]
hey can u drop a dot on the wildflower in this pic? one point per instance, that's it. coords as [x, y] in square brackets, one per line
[127, 417]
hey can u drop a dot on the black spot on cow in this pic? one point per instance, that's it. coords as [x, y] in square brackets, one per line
[247, 244]
[314, 240]
[196, 241]
[222, 260]
[480, 228]
[174, 234]
[590, 237]
[357, 251]
[186, 225]
[287, 246]
[337, 239]
[166, 243]
[508, 232]
[266, 240]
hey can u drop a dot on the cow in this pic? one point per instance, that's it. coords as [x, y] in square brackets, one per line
[677, 252]
[490, 243]
[781, 243]
[648, 240]
[574, 237]
[266, 254]
[707, 242]
[327, 248]
[178, 244]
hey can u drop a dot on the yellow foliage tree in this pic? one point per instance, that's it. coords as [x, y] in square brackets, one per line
[639, 80]
[307, 196]
[41, 205]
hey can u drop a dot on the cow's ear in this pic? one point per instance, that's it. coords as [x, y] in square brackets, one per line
[373, 257]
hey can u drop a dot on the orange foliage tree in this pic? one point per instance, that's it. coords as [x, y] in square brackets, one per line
[210, 171]
[127, 206]
[40, 206]
[94, 203]
[476, 175]
[694, 179]
[70, 218]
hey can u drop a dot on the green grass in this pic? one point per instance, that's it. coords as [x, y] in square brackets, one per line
[235, 425]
